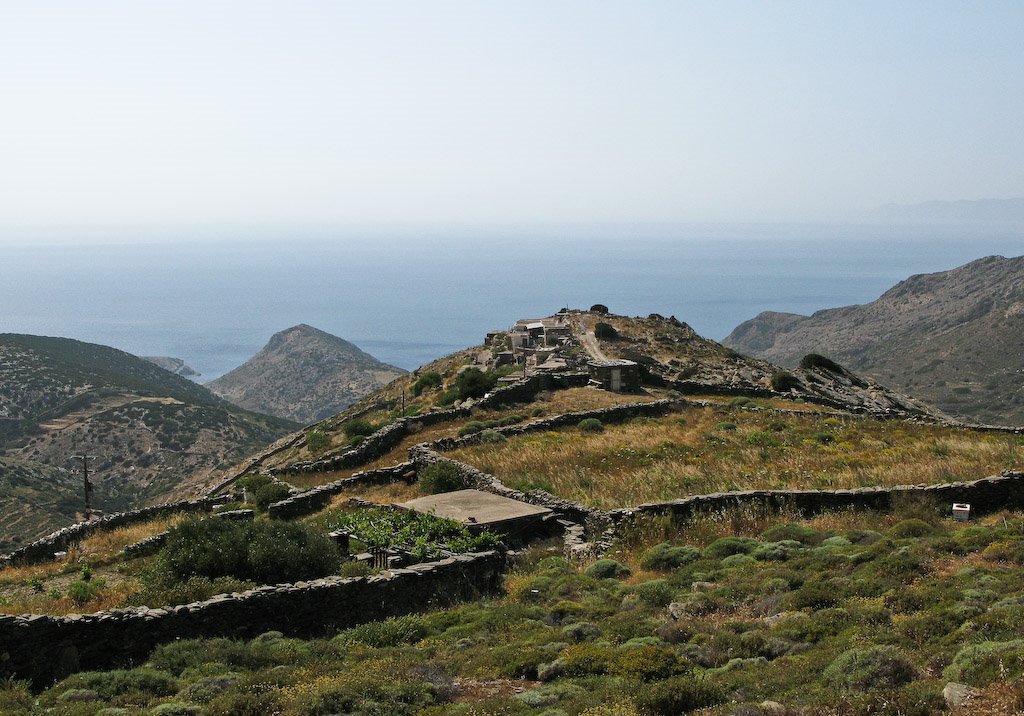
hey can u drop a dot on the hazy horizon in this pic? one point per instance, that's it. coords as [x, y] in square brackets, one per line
[231, 118]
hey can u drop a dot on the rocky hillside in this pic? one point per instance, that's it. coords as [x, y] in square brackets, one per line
[304, 374]
[954, 338]
[675, 355]
[154, 435]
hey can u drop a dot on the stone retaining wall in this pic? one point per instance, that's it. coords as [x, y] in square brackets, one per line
[42, 549]
[318, 497]
[44, 648]
[613, 414]
[989, 494]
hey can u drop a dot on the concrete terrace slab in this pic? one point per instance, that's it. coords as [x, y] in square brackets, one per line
[476, 508]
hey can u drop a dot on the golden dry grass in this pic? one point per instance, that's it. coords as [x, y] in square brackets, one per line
[706, 450]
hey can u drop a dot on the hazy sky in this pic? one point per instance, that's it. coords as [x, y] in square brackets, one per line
[331, 113]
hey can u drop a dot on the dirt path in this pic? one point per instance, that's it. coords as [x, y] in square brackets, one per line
[589, 342]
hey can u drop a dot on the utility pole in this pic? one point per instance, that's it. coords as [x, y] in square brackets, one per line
[86, 484]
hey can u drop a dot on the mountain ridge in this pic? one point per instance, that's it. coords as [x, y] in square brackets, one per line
[953, 337]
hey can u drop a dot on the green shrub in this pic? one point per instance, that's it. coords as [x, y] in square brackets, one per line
[591, 425]
[911, 528]
[317, 441]
[824, 438]
[261, 551]
[354, 568]
[442, 477]
[783, 382]
[108, 684]
[814, 360]
[492, 437]
[725, 425]
[586, 659]
[870, 668]
[267, 495]
[599, 308]
[429, 380]
[358, 428]
[649, 663]
[607, 569]
[813, 595]
[473, 383]
[656, 592]
[792, 531]
[81, 592]
[666, 557]
[740, 401]
[471, 428]
[176, 708]
[678, 695]
[606, 332]
[395, 631]
[981, 664]
[724, 546]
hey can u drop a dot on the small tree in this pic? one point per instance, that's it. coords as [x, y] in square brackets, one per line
[442, 477]
[599, 308]
[317, 441]
[606, 332]
[429, 380]
[474, 383]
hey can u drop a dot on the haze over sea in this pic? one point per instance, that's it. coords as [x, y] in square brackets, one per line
[408, 296]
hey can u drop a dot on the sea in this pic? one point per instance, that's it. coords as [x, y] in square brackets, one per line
[409, 295]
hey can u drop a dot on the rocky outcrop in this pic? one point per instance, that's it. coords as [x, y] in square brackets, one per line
[953, 338]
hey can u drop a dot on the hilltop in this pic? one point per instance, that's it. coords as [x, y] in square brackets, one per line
[155, 435]
[716, 535]
[954, 338]
[304, 374]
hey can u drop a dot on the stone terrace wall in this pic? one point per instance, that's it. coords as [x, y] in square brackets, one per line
[375, 445]
[42, 549]
[318, 497]
[614, 414]
[988, 494]
[43, 648]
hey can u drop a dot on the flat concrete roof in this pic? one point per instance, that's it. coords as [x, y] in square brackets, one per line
[475, 507]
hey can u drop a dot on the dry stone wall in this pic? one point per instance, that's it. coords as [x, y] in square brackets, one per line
[989, 494]
[44, 648]
[316, 498]
[42, 550]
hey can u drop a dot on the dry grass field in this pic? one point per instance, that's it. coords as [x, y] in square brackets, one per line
[704, 450]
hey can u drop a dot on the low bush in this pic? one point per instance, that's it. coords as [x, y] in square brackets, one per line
[108, 684]
[678, 695]
[815, 360]
[870, 668]
[317, 441]
[591, 425]
[442, 477]
[725, 546]
[267, 495]
[981, 664]
[358, 428]
[395, 631]
[260, 551]
[606, 332]
[607, 569]
[650, 662]
[783, 382]
[428, 381]
[665, 557]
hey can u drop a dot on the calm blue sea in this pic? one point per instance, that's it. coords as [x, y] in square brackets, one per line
[408, 297]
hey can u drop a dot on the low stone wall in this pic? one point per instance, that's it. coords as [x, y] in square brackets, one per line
[44, 648]
[989, 494]
[614, 414]
[318, 497]
[42, 549]
[375, 445]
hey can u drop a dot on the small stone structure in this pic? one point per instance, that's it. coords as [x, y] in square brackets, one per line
[479, 510]
[618, 376]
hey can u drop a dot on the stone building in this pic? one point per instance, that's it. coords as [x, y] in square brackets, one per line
[619, 376]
